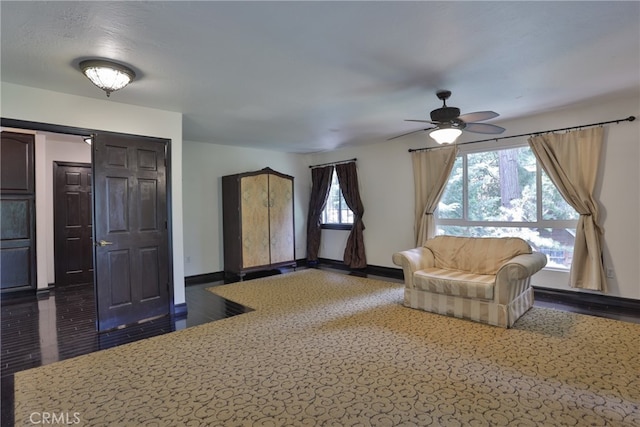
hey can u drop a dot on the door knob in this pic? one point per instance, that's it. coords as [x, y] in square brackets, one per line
[103, 243]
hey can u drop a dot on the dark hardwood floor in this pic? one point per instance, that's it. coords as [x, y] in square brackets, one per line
[35, 332]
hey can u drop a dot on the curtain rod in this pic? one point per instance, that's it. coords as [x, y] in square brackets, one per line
[333, 163]
[628, 119]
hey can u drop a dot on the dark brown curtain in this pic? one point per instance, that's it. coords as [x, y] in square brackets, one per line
[320, 185]
[354, 254]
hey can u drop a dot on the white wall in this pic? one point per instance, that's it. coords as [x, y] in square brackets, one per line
[386, 189]
[385, 176]
[37, 105]
[386, 184]
[204, 166]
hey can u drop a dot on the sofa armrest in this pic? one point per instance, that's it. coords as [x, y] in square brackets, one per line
[514, 276]
[523, 266]
[413, 260]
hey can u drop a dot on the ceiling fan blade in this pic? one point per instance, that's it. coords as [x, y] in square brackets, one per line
[421, 121]
[408, 133]
[478, 116]
[483, 128]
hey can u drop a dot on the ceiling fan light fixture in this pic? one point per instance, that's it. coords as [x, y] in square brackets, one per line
[107, 75]
[445, 135]
[449, 123]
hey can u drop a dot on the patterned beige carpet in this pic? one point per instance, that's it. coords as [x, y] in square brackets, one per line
[325, 349]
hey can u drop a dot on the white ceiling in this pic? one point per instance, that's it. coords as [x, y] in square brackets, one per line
[314, 76]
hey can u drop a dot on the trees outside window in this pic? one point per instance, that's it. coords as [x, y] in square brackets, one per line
[504, 193]
[336, 213]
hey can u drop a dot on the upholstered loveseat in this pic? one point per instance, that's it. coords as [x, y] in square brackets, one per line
[484, 279]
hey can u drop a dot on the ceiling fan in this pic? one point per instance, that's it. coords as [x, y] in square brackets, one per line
[449, 123]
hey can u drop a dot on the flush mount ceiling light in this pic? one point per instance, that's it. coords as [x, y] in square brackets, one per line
[108, 76]
[445, 133]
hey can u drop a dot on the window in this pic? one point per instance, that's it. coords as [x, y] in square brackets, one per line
[336, 213]
[504, 193]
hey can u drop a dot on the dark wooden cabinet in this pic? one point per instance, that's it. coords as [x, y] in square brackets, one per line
[258, 217]
[17, 212]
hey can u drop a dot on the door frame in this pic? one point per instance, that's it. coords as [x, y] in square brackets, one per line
[84, 132]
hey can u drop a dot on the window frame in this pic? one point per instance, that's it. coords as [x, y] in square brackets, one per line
[540, 223]
[336, 225]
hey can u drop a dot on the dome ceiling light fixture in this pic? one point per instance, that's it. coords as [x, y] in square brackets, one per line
[107, 75]
[446, 133]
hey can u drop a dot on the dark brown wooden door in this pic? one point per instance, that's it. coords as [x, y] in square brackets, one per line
[17, 212]
[73, 232]
[130, 229]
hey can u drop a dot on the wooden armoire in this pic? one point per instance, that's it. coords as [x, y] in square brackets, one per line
[258, 217]
[17, 212]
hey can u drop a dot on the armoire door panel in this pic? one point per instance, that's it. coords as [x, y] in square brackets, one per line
[16, 163]
[281, 218]
[15, 217]
[254, 192]
[16, 267]
[17, 242]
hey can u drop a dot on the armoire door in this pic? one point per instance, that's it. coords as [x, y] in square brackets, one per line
[254, 192]
[281, 219]
[17, 211]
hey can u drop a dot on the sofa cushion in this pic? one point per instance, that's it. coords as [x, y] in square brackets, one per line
[455, 282]
[475, 255]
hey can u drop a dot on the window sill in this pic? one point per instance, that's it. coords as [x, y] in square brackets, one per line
[347, 227]
[557, 269]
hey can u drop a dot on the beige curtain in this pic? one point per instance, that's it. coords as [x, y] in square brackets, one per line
[571, 161]
[431, 171]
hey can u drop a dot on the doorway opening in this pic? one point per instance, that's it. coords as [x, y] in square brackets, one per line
[135, 202]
